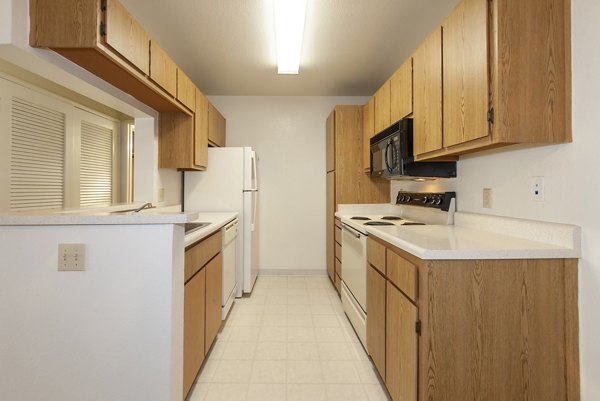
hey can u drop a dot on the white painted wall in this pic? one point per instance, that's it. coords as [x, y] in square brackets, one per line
[288, 134]
[6, 25]
[111, 332]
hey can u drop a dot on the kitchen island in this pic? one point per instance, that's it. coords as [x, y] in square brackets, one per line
[111, 332]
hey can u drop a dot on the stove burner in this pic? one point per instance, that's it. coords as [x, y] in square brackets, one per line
[379, 223]
[413, 224]
[391, 218]
[359, 218]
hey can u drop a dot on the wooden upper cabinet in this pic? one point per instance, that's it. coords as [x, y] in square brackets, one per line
[465, 60]
[401, 92]
[330, 142]
[126, 36]
[427, 95]
[201, 131]
[368, 132]
[163, 70]
[382, 107]
[186, 90]
[217, 127]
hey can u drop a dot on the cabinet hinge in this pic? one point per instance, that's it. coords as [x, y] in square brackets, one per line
[418, 327]
[102, 29]
[490, 115]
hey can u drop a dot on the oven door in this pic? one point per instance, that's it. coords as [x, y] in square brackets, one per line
[354, 264]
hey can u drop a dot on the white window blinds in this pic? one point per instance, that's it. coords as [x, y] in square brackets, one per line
[37, 159]
[96, 169]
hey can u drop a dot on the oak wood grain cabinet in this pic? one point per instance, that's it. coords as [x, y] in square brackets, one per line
[217, 127]
[183, 139]
[186, 90]
[163, 69]
[104, 38]
[506, 78]
[368, 132]
[382, 107]
[474, 329]
[427, 96]
[202, 303]
[401, 92]
[346, 181]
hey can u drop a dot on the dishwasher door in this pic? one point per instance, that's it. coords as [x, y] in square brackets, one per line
[354, 264]
[230, 279]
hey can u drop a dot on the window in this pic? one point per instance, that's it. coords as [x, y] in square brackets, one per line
[55, 153]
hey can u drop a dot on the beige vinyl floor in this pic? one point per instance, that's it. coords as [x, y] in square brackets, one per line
[289, 341]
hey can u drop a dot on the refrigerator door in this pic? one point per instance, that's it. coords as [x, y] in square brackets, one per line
[250, 239]
[250, 172]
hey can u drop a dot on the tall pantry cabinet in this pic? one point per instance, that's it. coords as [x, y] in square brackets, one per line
[346, 180]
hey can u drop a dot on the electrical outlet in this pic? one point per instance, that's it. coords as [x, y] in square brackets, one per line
[537, 189]
[487, 198]
[161, 194]
[71, 257]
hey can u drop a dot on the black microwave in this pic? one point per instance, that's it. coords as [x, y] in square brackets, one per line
[392, 155]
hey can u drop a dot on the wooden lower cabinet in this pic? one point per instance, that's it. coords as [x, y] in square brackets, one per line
[193, 328]
[214, 285]
[400, 345]
[475, 329]
[376, 318]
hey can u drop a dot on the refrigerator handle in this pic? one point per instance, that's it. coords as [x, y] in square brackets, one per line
[254, 207]
[254, 176]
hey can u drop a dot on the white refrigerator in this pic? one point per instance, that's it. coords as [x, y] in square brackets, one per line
[230, 184]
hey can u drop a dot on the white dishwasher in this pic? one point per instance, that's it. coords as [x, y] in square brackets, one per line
[230, 279]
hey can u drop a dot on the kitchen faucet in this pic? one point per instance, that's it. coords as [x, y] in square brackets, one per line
[144, 206]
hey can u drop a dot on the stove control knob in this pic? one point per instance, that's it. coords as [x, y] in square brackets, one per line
[425, 199]
[438, 201]
[408, 198]
[432, 201]
[403, 198]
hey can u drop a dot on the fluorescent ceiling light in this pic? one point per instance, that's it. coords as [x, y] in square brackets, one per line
[289, 30]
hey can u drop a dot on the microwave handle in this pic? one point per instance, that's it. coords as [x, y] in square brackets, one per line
[387, 165]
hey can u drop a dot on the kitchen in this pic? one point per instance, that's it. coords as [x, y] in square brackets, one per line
[289, 178]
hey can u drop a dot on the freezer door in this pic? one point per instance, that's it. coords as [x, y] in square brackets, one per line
[250, 170]
[250, 271]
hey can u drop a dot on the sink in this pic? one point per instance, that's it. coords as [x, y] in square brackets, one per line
[190, 227]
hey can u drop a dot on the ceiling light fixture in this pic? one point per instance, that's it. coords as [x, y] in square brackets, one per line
[289, 30]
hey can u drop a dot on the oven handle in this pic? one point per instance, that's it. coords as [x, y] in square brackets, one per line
[352, 230]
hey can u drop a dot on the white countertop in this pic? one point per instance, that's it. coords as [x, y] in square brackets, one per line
[217, 221]
[95, 216]
[477, 236]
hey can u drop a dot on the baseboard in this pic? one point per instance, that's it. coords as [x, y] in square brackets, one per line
[292, 272]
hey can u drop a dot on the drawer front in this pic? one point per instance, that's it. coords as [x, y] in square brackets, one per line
[338, 251]
[338, 284]
[338, 267]
[402, 273]
[338, 234]
[376, 255]
[200, 253]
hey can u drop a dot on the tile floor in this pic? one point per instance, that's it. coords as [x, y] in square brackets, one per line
[289, 341]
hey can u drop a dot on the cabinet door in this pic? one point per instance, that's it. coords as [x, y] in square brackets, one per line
[427, 94]
[400, 346]
[368, 132]
[382, 107]
[401, 92]
[330, 227]
[186, 90]
[330, 142]
[201, 131]
[193, 327]
[125, 35]
[163, 69]
[216, 126]
[465, 73]
[376, 318]
[214, 290]
[175, 139]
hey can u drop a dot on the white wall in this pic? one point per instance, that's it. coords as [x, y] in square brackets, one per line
[111, 332]
[6, 25]
[288, 134]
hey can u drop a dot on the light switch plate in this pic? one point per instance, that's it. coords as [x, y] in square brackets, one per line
[71, 257]
[487, 198]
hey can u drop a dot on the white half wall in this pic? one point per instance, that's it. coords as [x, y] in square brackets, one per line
[288, 134]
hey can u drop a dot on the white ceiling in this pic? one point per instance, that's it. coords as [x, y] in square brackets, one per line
[350, 46]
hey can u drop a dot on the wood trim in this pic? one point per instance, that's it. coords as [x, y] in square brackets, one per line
[572, 329]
